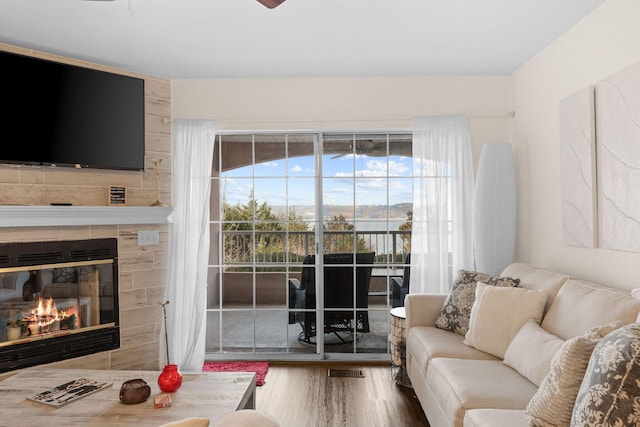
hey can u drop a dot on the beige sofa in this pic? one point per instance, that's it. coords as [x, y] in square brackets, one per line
[460, 385]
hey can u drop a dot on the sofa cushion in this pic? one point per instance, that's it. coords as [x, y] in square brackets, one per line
[552, 404]
[427, 342]
[610, 390]
[581, 305]
[462, 384]
[456, 309]
[498, 314]
[531, 351]
[495, 417]
[536, 278]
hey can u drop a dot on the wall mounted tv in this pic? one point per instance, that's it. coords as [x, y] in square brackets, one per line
[65, 115]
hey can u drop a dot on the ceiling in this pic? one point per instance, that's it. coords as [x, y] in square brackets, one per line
[178, 39]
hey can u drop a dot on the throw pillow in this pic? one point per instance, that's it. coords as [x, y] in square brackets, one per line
[610, 392]
[456, 309]
[499, 313]
[552, 405]
[531, 351]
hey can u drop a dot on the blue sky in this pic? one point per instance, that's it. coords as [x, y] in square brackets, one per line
[343, 176]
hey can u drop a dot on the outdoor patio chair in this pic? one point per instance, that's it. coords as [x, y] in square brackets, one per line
[400, 287]
[338, 296]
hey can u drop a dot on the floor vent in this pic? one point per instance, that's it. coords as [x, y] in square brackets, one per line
[346, 373]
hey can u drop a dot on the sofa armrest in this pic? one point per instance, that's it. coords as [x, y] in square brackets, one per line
[423, 309]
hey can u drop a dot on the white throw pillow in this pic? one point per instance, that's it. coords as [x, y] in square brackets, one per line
[498, 314]
[531, 351]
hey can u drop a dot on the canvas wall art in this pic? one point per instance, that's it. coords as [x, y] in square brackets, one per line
[577, 157]
[617, 106]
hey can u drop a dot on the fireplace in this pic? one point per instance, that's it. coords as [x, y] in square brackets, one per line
[58, 300]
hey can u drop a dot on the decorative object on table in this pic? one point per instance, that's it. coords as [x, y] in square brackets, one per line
[494, 209]
[259, 368]
[155, 166]
[271, 3]
[170, 379]
[117, 195]
[134, 391]
[70, 391]
[161, 400]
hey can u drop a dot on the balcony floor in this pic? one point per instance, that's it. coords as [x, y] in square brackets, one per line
[273, 334]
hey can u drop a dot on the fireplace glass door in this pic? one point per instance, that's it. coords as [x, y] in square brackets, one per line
[36, 302]
[58, 300]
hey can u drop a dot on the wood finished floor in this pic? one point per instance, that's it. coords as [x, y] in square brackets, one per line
[303, 395]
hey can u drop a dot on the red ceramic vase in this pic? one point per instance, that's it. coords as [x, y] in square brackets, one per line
[170, 379]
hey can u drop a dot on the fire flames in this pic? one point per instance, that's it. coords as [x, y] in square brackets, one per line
[45, 317]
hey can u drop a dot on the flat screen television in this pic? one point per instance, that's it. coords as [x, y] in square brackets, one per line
[64, 115]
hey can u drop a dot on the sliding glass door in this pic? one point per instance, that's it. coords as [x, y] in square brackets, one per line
[280, 199]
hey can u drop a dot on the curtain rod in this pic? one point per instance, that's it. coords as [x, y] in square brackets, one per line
[509, 114]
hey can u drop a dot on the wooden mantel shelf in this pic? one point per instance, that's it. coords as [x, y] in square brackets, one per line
[50, 216]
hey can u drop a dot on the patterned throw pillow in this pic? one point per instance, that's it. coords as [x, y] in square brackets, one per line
[552, 405]
[456, 309]
[610, 392]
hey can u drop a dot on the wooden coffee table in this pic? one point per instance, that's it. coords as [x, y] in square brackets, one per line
[209, 395]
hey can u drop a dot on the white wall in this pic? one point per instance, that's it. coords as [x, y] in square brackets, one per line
[606, 41]
[346, 103]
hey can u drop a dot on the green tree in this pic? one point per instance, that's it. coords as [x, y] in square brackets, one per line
[250, 217]
[406, 237]
[300, 241]
[253, 229]
[339, 236]
[255, 225]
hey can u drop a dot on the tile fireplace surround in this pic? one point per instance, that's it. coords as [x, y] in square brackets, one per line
[142, 269]
[26, 216]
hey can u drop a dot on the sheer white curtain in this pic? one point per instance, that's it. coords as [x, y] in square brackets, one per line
[443, 196]
[193, 143]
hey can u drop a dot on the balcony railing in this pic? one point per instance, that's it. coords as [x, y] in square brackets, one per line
[274, 248]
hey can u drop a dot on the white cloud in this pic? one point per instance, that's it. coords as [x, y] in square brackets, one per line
[374, 184]
[397, 168]
[378, 168]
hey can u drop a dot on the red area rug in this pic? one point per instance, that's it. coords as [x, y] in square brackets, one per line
[260, 368]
